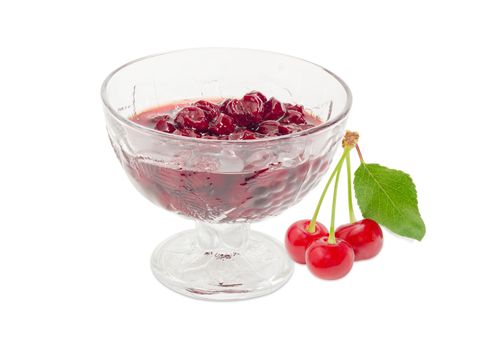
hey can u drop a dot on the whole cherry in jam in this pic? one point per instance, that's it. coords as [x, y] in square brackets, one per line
[273, 109]
[365, 237]
[193, 118]
[293, 117]
[254, 105]
[329, 261]
[297, 238]
[222, 125]
[211, 110]
[246, 112]
[163, 123]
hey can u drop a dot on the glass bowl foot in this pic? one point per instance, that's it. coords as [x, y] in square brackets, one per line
[221, 262]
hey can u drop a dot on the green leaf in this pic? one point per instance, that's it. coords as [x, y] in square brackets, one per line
[389, 197]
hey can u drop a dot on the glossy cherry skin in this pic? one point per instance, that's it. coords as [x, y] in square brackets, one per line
[291, 107]
[211, 110]
[163, 124]
[273, 109]
[365, 237]
[293, 117]
[329, 261]
[191, 118]
[253, 105]
[222, 125]
[297, 239]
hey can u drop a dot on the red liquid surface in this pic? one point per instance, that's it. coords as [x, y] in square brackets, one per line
[250, 194]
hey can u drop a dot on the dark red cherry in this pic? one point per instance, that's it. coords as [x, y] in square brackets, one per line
[273, 109]
[253, 106]
[297, 239]
[365, 237]
[329, 261]
[192, 117]
[211, 110]
[232, 107]
[293, 117]
[245, 113]
[225, 106]
[164, 124]
[222, 125]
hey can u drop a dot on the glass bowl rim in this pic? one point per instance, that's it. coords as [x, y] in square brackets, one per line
[126, 121]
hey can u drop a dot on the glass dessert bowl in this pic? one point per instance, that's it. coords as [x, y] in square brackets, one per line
[224, 183]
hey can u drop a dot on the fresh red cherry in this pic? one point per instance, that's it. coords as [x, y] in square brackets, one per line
[222, 125]
[329, 261]
[273, 109]
[211, 110]
[192, 117]
[365, 237]
[297, 239]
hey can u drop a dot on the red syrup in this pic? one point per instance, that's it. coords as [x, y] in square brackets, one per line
[258, 189]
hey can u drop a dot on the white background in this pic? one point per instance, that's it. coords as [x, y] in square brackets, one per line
[76, 237]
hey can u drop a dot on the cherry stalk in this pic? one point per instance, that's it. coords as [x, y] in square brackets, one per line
[331, 239]
[311, 227]
[352, 217]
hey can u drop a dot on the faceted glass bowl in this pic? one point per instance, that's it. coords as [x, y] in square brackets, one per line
[223, 184]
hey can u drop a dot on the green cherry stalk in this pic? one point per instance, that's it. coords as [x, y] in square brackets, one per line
[349, 141]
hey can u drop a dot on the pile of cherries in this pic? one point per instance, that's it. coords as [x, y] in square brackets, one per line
[251, 117]
[359, 240]
[329, 254]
